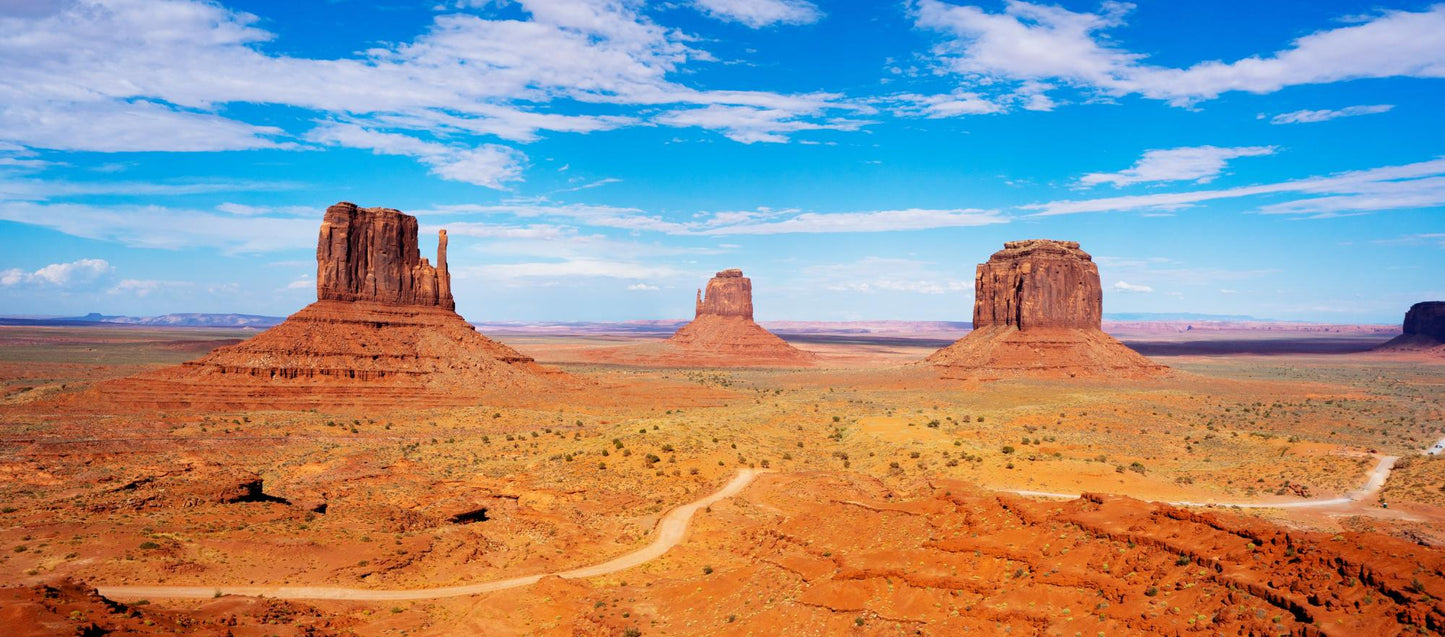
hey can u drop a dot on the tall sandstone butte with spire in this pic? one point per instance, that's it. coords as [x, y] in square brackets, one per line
[1038, 310]
[723, 333]
[383, 329]
[370, 254]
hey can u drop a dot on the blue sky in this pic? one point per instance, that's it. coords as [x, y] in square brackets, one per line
[599, 159]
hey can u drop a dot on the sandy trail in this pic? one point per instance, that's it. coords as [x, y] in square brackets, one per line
[670, 531]
[1375, 480]
[1437, 449]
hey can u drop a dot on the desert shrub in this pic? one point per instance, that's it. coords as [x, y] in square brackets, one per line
[1007, 449]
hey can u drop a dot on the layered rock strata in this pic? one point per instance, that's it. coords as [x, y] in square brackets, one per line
[1422, 331]
[1038, 307]
[382, 329]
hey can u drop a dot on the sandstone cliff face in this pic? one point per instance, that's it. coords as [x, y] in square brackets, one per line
[370, 254]
[1038, 283]
[1037, 311]
[1426, 319]
[1424, 331]
[728, 294]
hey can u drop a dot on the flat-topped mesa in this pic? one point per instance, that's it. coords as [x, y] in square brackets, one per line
[370, 254]
[728, 294]
[1038, 283]
[1037, 312]
[1423, 330]
[1426, 319]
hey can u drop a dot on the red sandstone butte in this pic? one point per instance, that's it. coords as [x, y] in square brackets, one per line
[723, 333]
[370, 254]
[1423, 330]
[382, 330]
[1038, 307]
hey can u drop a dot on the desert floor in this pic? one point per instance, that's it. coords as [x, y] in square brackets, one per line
[880, 499]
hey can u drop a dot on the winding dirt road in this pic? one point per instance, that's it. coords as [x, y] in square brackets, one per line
[670, 531]
[1374, 482]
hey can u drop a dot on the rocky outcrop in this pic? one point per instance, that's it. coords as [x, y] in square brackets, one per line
[1423, 330]
[721, 334]
[1038, 283]
[1426, 319]
[1037, 311]
[370, 254]
[728, 294]
[382, 331]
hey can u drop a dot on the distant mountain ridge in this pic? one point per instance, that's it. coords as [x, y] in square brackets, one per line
[193, 319]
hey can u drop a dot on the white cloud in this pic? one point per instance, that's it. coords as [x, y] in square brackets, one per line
[489, 165]
[643, 287]
[1200, 164]
[884, 274]
[161, 227]
[1425, 238]
[958, 102]
[880, 221]
[574, 268]
[755, 222]
[761, 13]
[1414, 185]
[497, 231]
[158, 75]
[114, 126]
[1035, 42]
[145, 287]
[1124, 286]
[752, 124]
[252, 211]
[39, 190]
[1325, 115]
[79, 272]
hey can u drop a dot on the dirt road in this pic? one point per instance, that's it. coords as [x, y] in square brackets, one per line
[670, 531]
[1375, 480]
